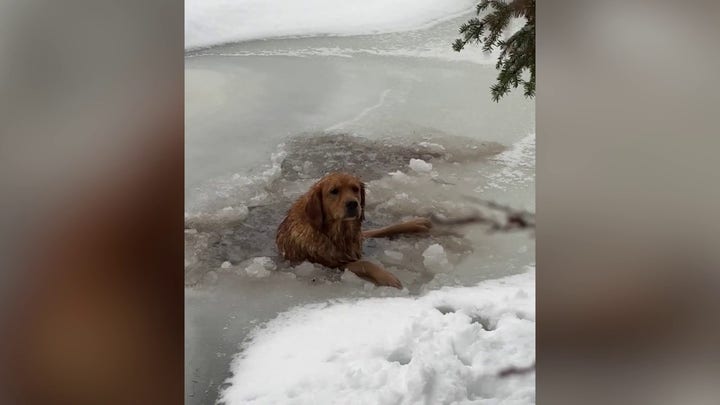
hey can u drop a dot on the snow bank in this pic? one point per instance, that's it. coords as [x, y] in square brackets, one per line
[212, 22]
[445, 347]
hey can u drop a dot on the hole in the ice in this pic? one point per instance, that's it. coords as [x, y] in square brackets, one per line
[484, 322]
[445, 309]
[400, 356]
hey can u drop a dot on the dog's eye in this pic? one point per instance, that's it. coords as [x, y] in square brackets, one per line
[334, 191]
[355, 189]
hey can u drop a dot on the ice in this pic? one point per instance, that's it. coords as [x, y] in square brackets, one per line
[223, 215]
[307, 269]
[400, 176]
[448, 346]
[394, 255]
[434, 48]
[517, 166]
[420, 165]
[435, 259]
[212, 22]
[434, 147]
[260, 267]
[307, 166]
[208, 200]
[350, 278]
[235, 213]
[289, 275]
[210, 278]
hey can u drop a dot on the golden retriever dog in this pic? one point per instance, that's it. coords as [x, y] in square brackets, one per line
[325, 226]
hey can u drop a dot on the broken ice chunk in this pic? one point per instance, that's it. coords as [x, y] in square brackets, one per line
[420, 165]
[260, 267]
[239, 213]
[305, 269]
[435, 259]
[399, 176]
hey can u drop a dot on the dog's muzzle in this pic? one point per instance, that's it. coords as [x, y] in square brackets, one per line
[352, 209]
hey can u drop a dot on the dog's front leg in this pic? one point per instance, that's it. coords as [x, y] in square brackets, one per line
[374, 273]
[417, 225]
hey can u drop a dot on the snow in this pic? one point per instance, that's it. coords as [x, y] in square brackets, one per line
[420, 165]
[447, 346]
[435, 259]
[212, 22]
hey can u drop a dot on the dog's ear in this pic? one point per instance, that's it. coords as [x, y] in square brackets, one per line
[362, 201]
[314, 209]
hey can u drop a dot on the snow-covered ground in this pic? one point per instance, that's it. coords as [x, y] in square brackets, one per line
[412, 118]
[212, 22]
[448, 346]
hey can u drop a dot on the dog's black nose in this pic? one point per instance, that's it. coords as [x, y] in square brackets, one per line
[351, 205]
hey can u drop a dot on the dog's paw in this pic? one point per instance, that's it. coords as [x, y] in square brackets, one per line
[388, 279]
[418, 225]
[382, 277]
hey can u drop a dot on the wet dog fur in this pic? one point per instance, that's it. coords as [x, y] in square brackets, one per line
[324, 226]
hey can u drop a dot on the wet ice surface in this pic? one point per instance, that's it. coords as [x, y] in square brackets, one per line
[239, 227]
[263, 124]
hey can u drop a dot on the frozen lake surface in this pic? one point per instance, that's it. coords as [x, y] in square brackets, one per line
[267, 118]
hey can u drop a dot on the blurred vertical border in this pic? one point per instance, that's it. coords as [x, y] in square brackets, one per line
[628, 190]
[91, 179]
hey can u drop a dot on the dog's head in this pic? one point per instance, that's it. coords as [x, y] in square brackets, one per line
[336, 197]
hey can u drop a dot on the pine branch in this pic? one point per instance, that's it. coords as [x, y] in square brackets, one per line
[517, 53]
